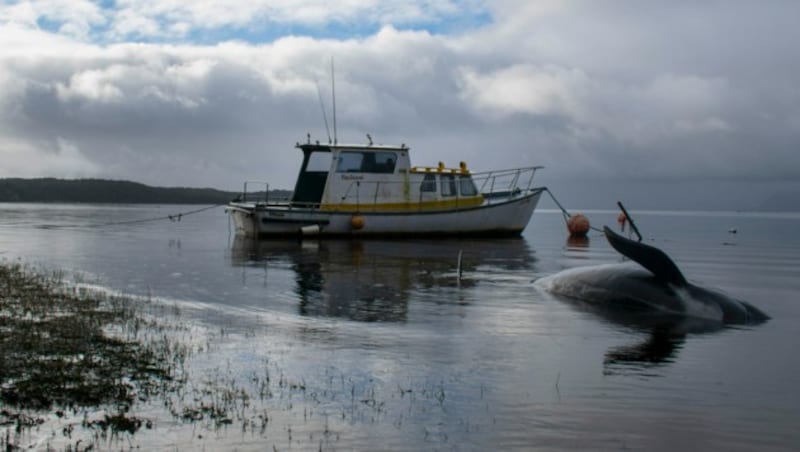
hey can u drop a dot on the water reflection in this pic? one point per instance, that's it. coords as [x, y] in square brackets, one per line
[575, 243]
[659, 347]
[372, 281]
[658, 337]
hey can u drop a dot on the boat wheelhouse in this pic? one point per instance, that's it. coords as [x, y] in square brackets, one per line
[372, 190]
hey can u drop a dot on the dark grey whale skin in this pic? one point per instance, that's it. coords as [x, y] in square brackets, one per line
[657, 287]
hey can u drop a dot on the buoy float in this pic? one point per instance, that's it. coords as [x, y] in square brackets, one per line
[356, 222]
[578, 225]
[621, 220]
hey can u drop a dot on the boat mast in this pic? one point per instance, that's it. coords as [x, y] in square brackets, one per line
[333, 93]
[324, 115]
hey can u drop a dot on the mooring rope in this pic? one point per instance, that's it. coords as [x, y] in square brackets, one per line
[564, 211]
[174, 217]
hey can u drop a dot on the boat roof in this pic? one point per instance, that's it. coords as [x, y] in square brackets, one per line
[328, 147]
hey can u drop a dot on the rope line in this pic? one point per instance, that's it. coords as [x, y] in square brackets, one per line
[564, 211]
[173, 218]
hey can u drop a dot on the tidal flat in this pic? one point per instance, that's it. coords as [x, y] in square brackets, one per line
[74, 362]
[85, 369]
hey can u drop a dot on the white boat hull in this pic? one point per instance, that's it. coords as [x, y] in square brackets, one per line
[500, 218]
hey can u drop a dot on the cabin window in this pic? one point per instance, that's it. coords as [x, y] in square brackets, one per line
[428, 184]
[467, 186]
[448, 185]
[366, 162]
[319, 162]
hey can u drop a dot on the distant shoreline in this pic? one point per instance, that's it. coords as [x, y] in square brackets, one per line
[103, 191]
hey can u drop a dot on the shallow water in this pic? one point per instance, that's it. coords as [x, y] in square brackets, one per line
[393, 351]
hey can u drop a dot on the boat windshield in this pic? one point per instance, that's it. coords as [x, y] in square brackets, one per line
[428, 184]
[319, 162]
[467, 186]
[448, 185]
[366, 162]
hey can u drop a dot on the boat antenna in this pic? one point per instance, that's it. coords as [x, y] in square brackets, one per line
[324, 115]
[333, 92]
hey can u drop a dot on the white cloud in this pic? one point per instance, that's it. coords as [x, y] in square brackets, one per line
[211, 13]
[167, 19]
[92, 85]
[131, 23]
[23, 13]
[59, 159]
[523, 88]
[75, 17]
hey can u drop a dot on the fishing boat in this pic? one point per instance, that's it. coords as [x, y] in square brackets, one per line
[370, 190]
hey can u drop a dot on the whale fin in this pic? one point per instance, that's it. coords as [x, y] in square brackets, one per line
[648, 257]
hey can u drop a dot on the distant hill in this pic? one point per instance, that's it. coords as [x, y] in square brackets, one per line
[110, 191]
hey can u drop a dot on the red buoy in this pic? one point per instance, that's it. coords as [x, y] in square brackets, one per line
[621, 220]
[578, 225]
[357, 222]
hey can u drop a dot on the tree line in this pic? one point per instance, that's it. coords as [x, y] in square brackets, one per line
[111, 191]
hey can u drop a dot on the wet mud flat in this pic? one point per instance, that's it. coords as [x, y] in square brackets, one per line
[84, 369]
[77, 356]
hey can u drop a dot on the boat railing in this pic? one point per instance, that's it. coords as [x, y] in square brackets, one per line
[257, 196]
[499, 185]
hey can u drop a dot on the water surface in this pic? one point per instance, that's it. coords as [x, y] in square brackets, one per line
[392, 350]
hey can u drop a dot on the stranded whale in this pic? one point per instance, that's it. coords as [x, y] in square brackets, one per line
[655, 286]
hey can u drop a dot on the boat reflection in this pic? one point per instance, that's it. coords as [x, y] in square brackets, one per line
[372, 280]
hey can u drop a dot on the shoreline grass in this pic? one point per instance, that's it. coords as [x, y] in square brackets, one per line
[60, 354]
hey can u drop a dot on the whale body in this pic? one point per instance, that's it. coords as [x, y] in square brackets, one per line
[651, 284]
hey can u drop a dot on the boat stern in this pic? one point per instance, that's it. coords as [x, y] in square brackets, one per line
[244, 218]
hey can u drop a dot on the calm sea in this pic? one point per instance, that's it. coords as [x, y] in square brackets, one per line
[393, 352]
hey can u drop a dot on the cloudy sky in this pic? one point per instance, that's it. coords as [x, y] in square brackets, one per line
[663, 103]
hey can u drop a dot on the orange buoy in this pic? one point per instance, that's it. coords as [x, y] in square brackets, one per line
[621, 220]
[578, 225]
[357, 222]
